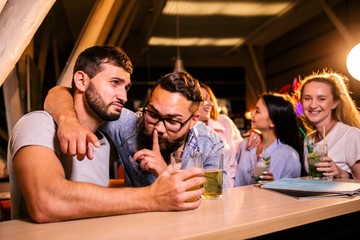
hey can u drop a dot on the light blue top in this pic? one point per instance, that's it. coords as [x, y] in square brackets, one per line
[284, 163]
[123, 133]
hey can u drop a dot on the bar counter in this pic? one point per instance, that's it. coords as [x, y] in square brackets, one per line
[243, 212]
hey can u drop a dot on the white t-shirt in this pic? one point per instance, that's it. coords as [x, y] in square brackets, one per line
[39, 128]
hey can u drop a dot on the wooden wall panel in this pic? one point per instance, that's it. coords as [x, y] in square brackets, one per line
[302, 34]
[313, 46]
[321, 47]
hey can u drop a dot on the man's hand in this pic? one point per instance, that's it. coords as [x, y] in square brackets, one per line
[151, 160]
[73, 137]
[76, 139]
[169, 191]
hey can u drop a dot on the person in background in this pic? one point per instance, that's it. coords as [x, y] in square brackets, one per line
[170, 117]
[330, 111]
[281, 146]
[49, 186]
[227, 130]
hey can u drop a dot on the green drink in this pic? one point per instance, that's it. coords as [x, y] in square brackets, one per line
[314, 158]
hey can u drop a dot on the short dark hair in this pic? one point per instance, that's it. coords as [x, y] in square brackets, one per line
[185, 84]
[91, 59]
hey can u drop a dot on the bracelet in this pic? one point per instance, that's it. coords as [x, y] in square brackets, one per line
[348, 175]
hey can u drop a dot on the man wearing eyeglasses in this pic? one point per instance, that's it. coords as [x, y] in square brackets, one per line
[49, 186]
[170, 116]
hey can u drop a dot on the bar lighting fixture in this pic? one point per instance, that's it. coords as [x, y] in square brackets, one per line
[228, 8]
[353, 62]
[220, 8]
[197, 42]
[179, 66]
[248, 115]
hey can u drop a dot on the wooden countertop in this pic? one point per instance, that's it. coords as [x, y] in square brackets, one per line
[243, 212]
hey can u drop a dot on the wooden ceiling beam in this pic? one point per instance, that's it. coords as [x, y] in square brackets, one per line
[259, 30]
[19, 21]
[2, 4]
[342, 29]
[88, 37]
[132, 8]
[122, 18]
[110, 23]
[12, 102]
[152, 19]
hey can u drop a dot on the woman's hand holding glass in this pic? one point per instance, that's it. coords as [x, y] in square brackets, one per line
[330, 169]
[265, 177]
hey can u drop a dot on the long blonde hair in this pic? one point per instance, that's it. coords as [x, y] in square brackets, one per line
[346, 110]
[214, 114]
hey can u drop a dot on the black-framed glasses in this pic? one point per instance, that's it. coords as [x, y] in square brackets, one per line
[170, 124]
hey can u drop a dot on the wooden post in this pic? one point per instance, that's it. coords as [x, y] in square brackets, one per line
[19, 20]
[257, 68]
[13, 107]
[343, 30]
[88, 37]
[2, 4]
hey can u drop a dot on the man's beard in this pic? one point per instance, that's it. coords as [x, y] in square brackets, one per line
[98, 105]
[166, 146]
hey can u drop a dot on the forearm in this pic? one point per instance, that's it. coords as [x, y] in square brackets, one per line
[65, 110]
[77, 200]
[50, 197]
[82, 200]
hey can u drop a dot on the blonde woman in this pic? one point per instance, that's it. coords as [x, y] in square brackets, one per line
[329, 110]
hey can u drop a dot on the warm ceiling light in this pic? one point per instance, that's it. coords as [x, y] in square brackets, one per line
[228, 8]
[220, 42]
[248, 115]
[352, 62]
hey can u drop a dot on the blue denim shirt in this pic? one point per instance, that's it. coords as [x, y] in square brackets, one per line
[123, 133]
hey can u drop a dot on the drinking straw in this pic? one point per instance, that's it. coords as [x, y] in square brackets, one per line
[324, 144]
[266, 141]
[267, 158]
[307, 140]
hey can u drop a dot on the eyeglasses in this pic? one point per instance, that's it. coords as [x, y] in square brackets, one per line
[170, 124]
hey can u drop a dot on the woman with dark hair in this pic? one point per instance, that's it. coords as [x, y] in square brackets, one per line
[281, 147]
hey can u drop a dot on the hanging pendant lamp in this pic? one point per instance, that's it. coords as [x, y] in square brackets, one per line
[179, 66]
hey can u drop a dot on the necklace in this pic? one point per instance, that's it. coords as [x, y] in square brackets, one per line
[319, 134]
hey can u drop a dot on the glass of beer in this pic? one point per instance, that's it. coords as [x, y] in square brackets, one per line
[180, 160]
[213, 167]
